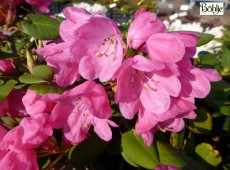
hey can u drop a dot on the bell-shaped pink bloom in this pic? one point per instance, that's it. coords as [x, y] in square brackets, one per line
[41, 130]
[142, 82]
[171, 47]
[144, 25]
[99, 48]
[196, 82]
[31, 133]
[13, 104]
[15, 159]
[14, 155]
[165, 47]
[80, 108]
[179, 108]
[6, 66]
[34, 103]
[57, 55]
[75, 17]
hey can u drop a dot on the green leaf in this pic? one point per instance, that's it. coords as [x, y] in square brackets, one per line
[203, 122]
[8, 121]
[30, 79]
[220, 86]
[207, 153]
[226, 125]
[135, 152]
[171, 156]
[226, 60]
[87, 151]
[177, 139]
[6, 89]
[39, 74]
[205, 38]
[41, 26]
[43, 71]
[45, 88]
[207, 59]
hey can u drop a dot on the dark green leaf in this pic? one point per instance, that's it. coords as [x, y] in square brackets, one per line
[226, 60]
[6, 89]
[41, 27]
[220, 86]
[207, 59]
[226, 125]
[45, 88]
[135, 152]
[87, 151]
[203, 122]
[206, 152]
[205, 38]
[171, 156]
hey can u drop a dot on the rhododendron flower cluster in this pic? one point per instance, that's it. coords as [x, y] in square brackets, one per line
[156, 85]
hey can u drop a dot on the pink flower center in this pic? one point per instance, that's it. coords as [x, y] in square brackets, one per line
[87, 117]
[107, 47]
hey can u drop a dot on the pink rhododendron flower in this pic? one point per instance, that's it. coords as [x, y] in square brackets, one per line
[13, 104]
[41, 130]
[34, 103]
[141, 82]
[57, 55]
[6, 66]
[75, 18]
[80, 108]
[23, 137]
[15, 159]
[101, 53]
[144, 25]
[196, 83]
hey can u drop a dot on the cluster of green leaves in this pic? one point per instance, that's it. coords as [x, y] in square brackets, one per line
[215, 108]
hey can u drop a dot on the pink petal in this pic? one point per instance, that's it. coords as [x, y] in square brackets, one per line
[102, 129]
[145, 122]
[149, 136]
[168, 81]
[145, 25]
[143, 64]
[165, 47]
[140, 11]
[58, 118]
[129, 109]
[155, 100]
[211, 74]
[195, 84]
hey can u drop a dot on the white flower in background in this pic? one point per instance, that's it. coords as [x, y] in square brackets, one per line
[177, 25]
[92, 8]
